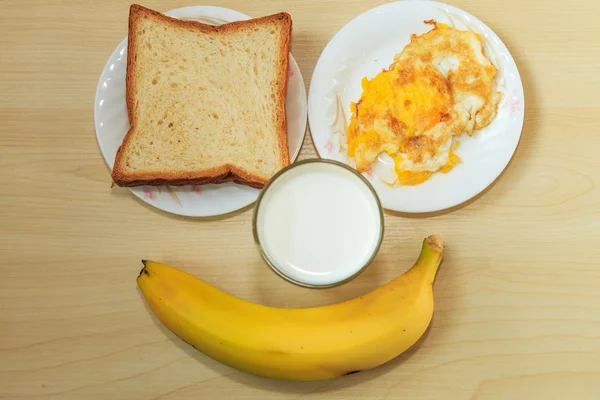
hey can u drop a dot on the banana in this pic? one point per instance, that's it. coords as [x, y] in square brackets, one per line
[303, 344]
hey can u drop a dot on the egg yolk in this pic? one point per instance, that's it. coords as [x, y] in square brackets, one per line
[396, 109]
[412, 100]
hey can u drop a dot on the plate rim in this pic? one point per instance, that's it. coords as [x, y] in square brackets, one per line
[422, 208]
[199, 10]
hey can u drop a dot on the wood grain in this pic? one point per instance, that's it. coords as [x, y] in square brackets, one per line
[518, 296]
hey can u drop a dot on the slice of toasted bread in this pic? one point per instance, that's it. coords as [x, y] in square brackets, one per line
[206, 104]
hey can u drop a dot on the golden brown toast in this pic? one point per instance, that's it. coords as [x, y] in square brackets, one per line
[206, 104]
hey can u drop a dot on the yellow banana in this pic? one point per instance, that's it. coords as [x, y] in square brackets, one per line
[301, 344]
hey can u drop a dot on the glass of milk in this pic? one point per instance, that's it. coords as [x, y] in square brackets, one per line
[318, 223]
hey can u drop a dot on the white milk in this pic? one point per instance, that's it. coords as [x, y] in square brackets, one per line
[319, 223]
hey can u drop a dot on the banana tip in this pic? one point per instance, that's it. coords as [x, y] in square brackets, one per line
[143, 270]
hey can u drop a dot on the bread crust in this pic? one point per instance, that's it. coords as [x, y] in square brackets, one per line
[227, 172]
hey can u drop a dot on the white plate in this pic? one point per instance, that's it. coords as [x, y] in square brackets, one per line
[110, 118]
[366, 45]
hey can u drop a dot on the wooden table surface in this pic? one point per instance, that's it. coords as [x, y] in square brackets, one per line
[517, 298]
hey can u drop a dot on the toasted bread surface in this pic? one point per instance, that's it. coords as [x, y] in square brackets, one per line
[206, 104]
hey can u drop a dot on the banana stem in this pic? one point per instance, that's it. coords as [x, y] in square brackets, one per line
[430, 258]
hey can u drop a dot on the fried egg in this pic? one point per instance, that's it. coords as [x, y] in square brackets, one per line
[438, 87]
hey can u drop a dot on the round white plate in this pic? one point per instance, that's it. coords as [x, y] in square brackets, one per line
[366, 45]
[110, 118]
